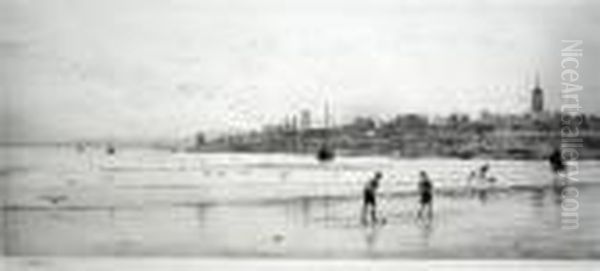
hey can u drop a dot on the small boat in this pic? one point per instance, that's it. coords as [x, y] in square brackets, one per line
[110, 150]
[325, 154]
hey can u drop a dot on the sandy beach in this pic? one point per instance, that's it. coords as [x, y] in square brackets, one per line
[59, 202]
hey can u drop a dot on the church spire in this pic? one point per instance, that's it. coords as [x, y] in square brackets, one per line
[537, 95]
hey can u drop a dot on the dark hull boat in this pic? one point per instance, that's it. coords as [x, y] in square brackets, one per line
[325, 154]
[110, 150]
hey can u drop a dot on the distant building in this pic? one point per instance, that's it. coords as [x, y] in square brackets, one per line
[305, 120]
[200, 139]
[294, 123]
[537, 97]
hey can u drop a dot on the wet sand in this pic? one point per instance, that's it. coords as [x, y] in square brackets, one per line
[522, 224]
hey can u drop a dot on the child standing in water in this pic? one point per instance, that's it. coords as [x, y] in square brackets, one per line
[426, 196]
[370, 199]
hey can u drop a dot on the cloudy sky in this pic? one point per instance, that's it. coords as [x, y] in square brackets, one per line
[75, 69]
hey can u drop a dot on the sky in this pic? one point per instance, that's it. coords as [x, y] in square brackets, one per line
[145, 69]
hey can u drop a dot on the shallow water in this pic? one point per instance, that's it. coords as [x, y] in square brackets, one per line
[58, 201]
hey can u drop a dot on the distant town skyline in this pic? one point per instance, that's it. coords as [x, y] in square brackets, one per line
[156, 69]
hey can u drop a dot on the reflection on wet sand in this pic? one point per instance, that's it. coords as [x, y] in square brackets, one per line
[305, 228]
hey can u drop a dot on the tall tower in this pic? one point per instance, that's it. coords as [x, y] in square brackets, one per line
[537, 96]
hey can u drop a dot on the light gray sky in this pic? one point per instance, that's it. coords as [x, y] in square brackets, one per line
[159, 69]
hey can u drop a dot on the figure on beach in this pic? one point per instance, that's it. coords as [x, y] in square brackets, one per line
[559, 169]
[556, 162]
[483, 182]
[426, 196]
[369, 208]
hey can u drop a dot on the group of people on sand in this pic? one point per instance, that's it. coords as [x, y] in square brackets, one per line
[479, 184]
[369, 207]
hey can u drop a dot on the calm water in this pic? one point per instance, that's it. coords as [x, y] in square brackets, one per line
[58, 201]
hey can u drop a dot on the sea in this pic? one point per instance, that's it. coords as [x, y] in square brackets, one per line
[67, 201]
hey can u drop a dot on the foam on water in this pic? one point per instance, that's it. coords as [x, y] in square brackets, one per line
[145, 177]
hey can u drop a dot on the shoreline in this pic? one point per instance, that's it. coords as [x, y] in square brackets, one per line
[589, 154]
[585, 155]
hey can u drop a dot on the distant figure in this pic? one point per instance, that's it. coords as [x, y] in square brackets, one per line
[483, 170]
[54, 199]
[558, 168]
[484, 182]
[556, 162]
[487, 180]
[370, 199]
[426, 196]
